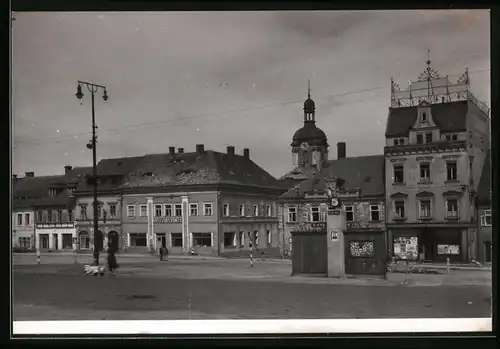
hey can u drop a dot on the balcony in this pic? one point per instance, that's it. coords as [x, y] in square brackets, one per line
[425, 218]
[452, 216]
[399, 219]
[425, 181]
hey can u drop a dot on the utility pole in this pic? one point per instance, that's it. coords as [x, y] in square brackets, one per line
[93, 88]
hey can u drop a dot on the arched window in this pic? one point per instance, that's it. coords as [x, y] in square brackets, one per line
[84, 240]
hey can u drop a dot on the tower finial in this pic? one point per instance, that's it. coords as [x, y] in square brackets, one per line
[308, 88]
[428, 57]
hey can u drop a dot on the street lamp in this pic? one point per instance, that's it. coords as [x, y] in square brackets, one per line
[93, 88]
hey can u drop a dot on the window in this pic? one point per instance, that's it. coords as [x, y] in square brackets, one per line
[241, 210]
[424, 117]
[428, 137]
[451, 171]
[399, 209]
[396, 141]
[292, 214]
[374, 212]
[84, 240]
[112, 210]
[178, 210]
[451, 137]
[193, 209]
[225, 210]
[131, 211]
[420, 139]
[425, 209]
[138, 239]
[202, 239]
[486, 218]
[24, 241]
[59, 216]
[26, 219]
[158, 211]
[425, 172]
[349, 213]
[268, 211]
[256, 238]
[255, 210]
[49, 215]
[144, 210]
[176, 239]
[70, 216]
[83, 212]
[40, 215]
[207, 209]
[241, 239]
[268, 238]
[399, 141]
[314, 215]
[452, 208]
[399, 174]
[168, 210]
[229, 239]
[454, 137]
[99, 210]
[19, 219]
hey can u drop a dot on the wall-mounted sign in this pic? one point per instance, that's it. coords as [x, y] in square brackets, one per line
[318, 224]
[55, 225]
[334, 235]
[173, 220]
[334, 212]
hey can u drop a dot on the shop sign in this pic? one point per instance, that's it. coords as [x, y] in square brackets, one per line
[334, 212]
[174, 220]
[318, 225]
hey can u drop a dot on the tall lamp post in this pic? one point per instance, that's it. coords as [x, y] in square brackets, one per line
[93, 88]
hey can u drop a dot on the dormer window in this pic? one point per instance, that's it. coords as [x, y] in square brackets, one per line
[424, 117]
[52, 192]
[428, 137]
[399, 141]
[420, 139]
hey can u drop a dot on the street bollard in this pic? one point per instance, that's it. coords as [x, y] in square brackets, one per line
[448, 265]
[251, 257]
[37, 256]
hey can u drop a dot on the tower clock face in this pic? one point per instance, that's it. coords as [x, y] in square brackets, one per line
[304, 145]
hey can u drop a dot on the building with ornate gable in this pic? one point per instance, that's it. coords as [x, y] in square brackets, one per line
[437, 137]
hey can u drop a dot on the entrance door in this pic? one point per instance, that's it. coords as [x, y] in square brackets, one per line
[56, 242]
[365, 253]
[309, 253]
[113, 240]
[487, 251]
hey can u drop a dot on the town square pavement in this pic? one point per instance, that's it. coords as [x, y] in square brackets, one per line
[212, 288]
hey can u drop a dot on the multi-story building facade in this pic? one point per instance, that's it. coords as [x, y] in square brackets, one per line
[205, 201]
[360, 182]
[437, 137]
[23, 216]
[111, 174]
[484, 247]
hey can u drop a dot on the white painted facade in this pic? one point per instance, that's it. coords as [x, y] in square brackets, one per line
[55, 236]
[23, 228]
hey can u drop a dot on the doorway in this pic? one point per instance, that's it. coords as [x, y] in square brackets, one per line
[56, 242]
[487, 251]
[113, 240]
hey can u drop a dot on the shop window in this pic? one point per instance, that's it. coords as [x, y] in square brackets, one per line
[44, 241]
[374, 213]
[138, 240]
[67, 241]
[349, 213]
[292, 214]
[230, 239]
[202, 239]
[176, 239]
[361, 249]
[399, 174]
[84, 240]
[193, 209]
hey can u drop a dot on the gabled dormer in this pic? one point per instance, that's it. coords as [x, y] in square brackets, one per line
[424, 116]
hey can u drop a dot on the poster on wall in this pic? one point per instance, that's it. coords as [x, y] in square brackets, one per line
[448, 249]
[406, 247]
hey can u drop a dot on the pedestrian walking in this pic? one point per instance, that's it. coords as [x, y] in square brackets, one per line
[112, 264]
[163, 253]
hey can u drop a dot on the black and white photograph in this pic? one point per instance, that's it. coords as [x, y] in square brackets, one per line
[277, 171]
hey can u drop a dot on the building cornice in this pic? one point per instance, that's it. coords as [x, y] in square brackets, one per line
[429, 148]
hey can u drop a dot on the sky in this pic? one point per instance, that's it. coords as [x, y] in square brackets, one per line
[224, 78]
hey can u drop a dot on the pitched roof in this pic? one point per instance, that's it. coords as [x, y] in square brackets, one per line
[34, 191]
[194, 169]
[449, 117]
[484, 188]
[365, 172]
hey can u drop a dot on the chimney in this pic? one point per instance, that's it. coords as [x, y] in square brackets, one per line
[171, 150]
[67, 169]
[30, 174]
[230, 150]
[181, 150]
[200, 149]
[246, 153]
[341, 150]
